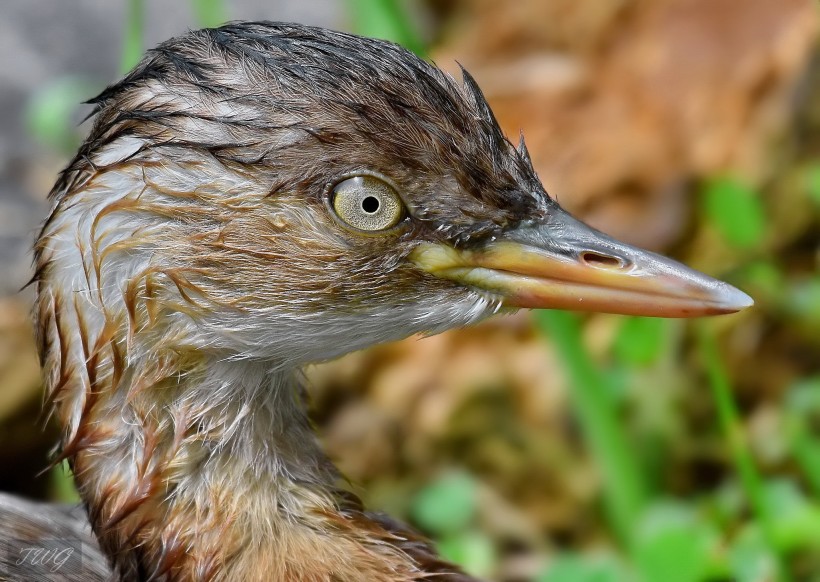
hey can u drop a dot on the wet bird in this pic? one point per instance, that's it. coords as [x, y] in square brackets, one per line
[252, 199]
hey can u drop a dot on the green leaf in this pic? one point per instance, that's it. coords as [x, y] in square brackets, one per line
[209, 13]
[674, 545]
[385, 19]
[49, 113]
[763, 280]
[803, 397]
[804, 299]
[640, 340]
[813, 183]
[473, 551]
[802, 411]
[797, 521]
[62, 484]
[735, 211]
[447, 505]
[132, 41]
[573, 568]
[750, 557]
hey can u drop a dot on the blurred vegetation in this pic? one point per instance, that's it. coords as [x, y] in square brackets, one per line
[694, 485]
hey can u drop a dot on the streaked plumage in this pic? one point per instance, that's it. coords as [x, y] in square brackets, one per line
[193, 264]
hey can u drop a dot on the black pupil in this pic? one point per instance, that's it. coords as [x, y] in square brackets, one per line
[370, 204]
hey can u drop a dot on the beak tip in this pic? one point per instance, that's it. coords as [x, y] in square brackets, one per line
[733, 299]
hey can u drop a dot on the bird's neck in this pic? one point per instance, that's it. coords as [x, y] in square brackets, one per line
[186, 466]
[201, 469]
[196, 460]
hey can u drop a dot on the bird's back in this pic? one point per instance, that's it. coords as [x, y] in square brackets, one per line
[54, 543]
[41, 541]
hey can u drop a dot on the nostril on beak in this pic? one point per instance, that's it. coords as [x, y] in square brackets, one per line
[601, 261]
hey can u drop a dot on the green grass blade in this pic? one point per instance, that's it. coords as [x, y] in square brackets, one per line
[132, 41]
[741, 455]
[641, 341]
[813, 183]
[624, 489]
[446, 506]
[802, 412]
[209, 13]
[49, 113]
[385, 19]
[62, 484]
[735, 211]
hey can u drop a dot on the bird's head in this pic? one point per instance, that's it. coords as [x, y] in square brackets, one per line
[279, 191]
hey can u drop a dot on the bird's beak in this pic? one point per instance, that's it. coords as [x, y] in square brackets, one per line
[561, 263]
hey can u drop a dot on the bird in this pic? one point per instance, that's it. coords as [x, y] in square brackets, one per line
[252, 199]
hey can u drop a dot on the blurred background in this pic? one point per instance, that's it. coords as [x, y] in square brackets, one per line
[541, 446]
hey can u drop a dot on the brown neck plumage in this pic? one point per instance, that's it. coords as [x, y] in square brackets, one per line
[195, 469]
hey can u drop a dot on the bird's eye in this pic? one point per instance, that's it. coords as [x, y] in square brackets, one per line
[367, 203]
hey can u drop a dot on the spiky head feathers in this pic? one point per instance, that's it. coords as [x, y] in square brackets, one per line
[203, 190]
